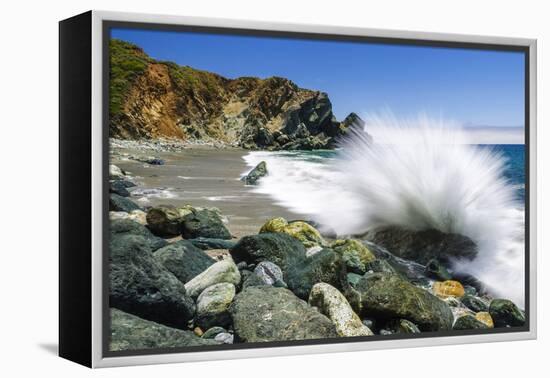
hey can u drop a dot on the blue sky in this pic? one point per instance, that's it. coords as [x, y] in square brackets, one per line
[473, 87]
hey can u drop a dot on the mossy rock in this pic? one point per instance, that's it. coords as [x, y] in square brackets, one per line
[506, 314]
[355, 254]
[299, 230]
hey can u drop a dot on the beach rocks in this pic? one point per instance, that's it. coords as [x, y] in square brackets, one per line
[485, 318]
[212, 243]
[423, 246]
[165, 220]
[387, 296]
[118, 187]
[119, 203]
[138, 216]
[115, 173]
[469, 322]
[299, 230]
[506, 314]
[119, 227]
[184, 260]
[334, 305]
[222, 271]
[355, 254]
[213, 305]
[267, 313]
[204, 223]
[140, 285]
[265, 273]
[281, 249]
[474, 303]
[448, 289]
[131, 332]
[255, 174]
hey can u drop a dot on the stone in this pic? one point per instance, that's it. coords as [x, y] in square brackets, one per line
[402, 326]
[129, 332]
[118, 187]
[115, 173]
[164, 220]
[222, 271]
[468, 322]
[204, 223]
[334, 305]
[435, 270]
[211, 243]
[267, 313]
[299, 230]
[423, 246]
[474, 303]
[136, 216]
[266, 273]
[448, 289]
[184, 260]
[355, 254]
[506, 314]
[119, 203]
[141, 286]
[255, 174]
[128, 226]
[224, 337]
[353, 278]
[213, 305]
[485, 318]
[212, 332]
[379, 266]
[386, 296]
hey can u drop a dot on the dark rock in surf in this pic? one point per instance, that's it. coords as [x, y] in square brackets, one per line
[423, 246]
[386, 296]
[118, 227]
[120, 203]
[141, 286]
[255, 174]
[130, 332]
[204, 223]
[267, 313]
[184, 260]
[506, 314]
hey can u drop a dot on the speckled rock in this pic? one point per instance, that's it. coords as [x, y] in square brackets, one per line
[184, 260]
[213, 305]
[299, 230]
[355, 254]
[222, 271]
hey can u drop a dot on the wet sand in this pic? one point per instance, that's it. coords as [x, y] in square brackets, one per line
[204, 177]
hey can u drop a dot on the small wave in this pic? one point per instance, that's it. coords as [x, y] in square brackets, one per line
[221, 198]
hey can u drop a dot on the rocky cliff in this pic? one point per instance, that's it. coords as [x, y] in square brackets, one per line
[153, 99]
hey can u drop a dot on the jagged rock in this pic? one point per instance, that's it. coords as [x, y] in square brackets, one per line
[119, 203]
[222, 271]
[355, 254]
[140, 285]
[211, 243]
[184, 260]
[213, 305]
[204, 223]
[506, 314]
[469, 322]
[386, 296]
[474, 303]
[128, 332]
[255, 174]
[119, 227]
[267, 313]
[423, 246]
[335, 306]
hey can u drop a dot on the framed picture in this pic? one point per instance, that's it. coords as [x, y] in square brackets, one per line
[232, 189]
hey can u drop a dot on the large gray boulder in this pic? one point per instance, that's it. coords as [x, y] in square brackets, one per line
[120, 203]
[165, 220]
[204, 223]
[267, 313]
[140, 285]
[129, 332]
[184, 260]
[386, 296]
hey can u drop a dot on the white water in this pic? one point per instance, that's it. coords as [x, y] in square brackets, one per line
[418, 174]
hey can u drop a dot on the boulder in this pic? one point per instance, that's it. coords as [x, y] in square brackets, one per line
[119, 203]
[165, 220]
[474, 303]
[448, 289]
[485, 318]
[506, 314]
[255, 174]
[213, 305]
[402, 326]
[325, 266]
[267, 313]
[386, 296]
[468, 322]
[184, 260]
[211, 243]
[334, 305]
[128, 332]
[140, 285]
[435, 270]
[118, 187]
[265, 273]
[205, 223]
[423, 246]
[115, 173]
[281, 249]
[222, 271]
[119, 227]
[299, 230]
[355, 254]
